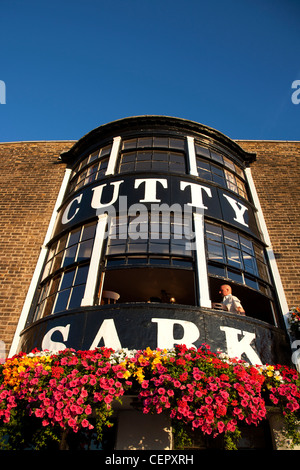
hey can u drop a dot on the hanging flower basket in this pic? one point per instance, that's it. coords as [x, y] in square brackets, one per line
[67, 392]
[294, 321]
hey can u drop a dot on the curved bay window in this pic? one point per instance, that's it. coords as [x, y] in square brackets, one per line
[65, 273]
[149, 259]
[215, 167]
[240, 260]
[91, 168]
[161, 159]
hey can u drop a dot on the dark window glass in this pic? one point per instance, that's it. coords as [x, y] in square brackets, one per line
[66, 269]
[233, 250]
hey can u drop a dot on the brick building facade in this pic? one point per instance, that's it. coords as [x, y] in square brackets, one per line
[57, 265]
[31, 176]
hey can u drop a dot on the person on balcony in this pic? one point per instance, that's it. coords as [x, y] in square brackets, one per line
[230, 303]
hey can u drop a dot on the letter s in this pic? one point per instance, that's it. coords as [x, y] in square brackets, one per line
[51, 345]
[296, 94]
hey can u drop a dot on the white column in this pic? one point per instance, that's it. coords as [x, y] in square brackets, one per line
[91, 282]
[269, 249]
[113, 156]
[192, 156]
[201, 264]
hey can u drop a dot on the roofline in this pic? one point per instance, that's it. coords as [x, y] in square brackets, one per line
[120, 126]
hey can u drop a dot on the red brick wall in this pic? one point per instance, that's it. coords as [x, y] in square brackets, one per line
[276, 175]
[31, 177]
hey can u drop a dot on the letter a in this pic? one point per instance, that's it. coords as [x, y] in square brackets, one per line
[108, 332]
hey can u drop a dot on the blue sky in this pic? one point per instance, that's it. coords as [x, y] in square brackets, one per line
[71, 65]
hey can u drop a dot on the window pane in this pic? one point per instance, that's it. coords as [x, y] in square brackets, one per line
[160, 166]
[144, 156]
[85, 250]
[161, 142]
[235, 276]
[127, 167]
[145, 142]
[137, 247]
[177, 158]
[70, 255]
[160, 156]
[61, 301]
[67, 279]
[216, 157]
[81, 275]
[128, 157]
[214, 232]
[135, 260]
[94, 156]
[233, 256]
[217, 179]
[48, 305]
[159, 261]
[250, 264]
[177, 143]
[246, 245]
[215, 251]
[229, 163]
[76, 296]
[182, 263]
[74, 236]
[216, 270]
[159, 247]
[62, 243]
[231, 238]
[251, 282]
[143, 166]
[88, 231]
[116, 249]
[176, 168]
[105, 151]
[129, 144]
[202, 151]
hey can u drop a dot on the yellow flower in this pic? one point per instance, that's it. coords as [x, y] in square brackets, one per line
[127, 374]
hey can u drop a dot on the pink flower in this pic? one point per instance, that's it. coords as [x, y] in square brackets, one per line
[221, 426]
[85, 423]
[208, 400]
[39, 413]
[72, 423]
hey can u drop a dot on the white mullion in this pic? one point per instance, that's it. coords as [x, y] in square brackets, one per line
[113, 156]
[201, 263]
[192, 156]
[91, 282]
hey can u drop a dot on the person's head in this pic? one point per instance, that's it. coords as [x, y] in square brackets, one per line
[225, 289]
